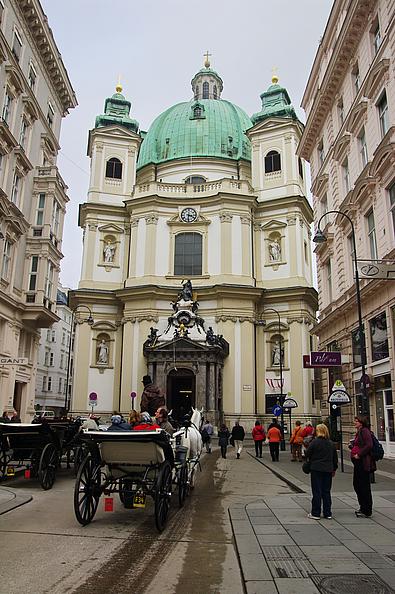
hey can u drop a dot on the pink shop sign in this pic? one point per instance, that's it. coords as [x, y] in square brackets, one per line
[325, 359]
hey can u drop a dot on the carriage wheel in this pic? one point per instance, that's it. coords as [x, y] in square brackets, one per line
[49, 462]
[162, 495]
[87, 491]
[79, 455]
[192, 478]
[5, 457]
[182, 484]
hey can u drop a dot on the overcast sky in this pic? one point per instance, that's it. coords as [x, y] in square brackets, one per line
[157, 46]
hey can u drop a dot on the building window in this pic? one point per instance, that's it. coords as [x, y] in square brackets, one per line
[40, 209]
[321, 154]
[23, 133]
[16, 184]
[376, 37]
[195, 179]
[32, 77]
[114, 168]
[51, 359]
[382, 106]
[49, 384]
[329, 280]
[7, 107]
[340, 111]
[55, 218]
[379, 337]
[356, 348]
[60, 386]
[17, 45]
[53, 336]
[44, 383]
[50, 115]
[49, 281]
[356, 79]
[33, 273]
[392, 204]
[6, 266]
[188, 254]
[205, 90]
[300, 166]
[363, 149]
[324, 204]
[372, 235]
[61, 361]
[215, 92]
[346, 176]
[272, 162]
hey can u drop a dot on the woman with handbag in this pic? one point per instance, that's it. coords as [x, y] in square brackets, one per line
[321, 462]
[364, 465]
[223, 439]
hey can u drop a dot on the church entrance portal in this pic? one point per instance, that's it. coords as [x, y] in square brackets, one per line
[181, 392]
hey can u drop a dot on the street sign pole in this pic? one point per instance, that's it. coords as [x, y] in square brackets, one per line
[341, 442]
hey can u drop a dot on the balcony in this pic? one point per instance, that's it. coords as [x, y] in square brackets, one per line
[39, 312]
[50, 173]
[210, 188]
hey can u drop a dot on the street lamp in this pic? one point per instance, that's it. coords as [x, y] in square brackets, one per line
[282, 396]
[321, 238]
[90, 321]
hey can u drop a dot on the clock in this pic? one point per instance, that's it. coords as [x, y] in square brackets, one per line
[188, 215]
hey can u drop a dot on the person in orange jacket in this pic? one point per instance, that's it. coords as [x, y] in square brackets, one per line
[274, 436]
[296, 442]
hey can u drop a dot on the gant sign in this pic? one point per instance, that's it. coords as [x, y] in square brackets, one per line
[14, 361]
[325, 359]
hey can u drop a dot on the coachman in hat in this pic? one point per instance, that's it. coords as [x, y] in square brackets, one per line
[152, 398]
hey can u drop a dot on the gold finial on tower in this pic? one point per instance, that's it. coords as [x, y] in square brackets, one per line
[207, 59]
[118, 88]
[274, 75]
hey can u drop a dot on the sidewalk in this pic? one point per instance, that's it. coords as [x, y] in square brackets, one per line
[281, 551]
[10, 499]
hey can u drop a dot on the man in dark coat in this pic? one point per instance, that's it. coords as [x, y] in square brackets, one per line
[238, 435]
[152, 398]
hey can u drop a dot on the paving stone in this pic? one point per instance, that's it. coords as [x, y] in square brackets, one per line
[261, 587]
[271, 529]
[238, 513]
[333, 566]
[328, 552]
[279, 502]
[382, 502]
[275, 539]
[351, 584]
[313, 534]
[357, 546]
[285, 568]
[259, 512]
[275, 552]
[342, 534]
[241, 527]
[374, 535]
[292, 516]
[296, 586]
[376, 561]
[387, 575]
[254, 567]
[247, 545]
[256, 505]
[265, 520]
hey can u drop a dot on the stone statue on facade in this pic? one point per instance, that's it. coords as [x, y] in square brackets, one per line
[109, 252]
[186, 292]
[277, 354]
[152, 337]
[102, 356]
[275, 250]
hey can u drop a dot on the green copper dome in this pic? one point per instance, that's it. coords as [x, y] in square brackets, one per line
[197, 128]
[275, 103]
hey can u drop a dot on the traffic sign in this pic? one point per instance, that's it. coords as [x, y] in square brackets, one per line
[338, 385]
[133, 395]
[93, 399]
[290, 403]
[339, 397]
[277, 410]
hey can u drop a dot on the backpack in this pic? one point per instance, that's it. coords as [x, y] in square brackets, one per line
[377, 449]
[205, 435]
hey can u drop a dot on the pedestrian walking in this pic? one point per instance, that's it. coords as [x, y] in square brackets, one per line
[274, 436]
[238, 435]
[296, 442]
[207, 433]
[223, 439]
[321, 457]
[307, 435]
[258, 435]
[364, 465]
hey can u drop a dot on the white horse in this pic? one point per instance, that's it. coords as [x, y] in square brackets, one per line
[192, 440]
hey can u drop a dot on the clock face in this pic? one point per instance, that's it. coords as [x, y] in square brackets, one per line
[188, 215]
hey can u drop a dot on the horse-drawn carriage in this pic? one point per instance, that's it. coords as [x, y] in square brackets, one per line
[136, 464]
[38, 447]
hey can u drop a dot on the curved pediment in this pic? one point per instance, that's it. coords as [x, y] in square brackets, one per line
[15, 79]
[320, 185]
[383, 159]
[376, 78]
[341, 147]
[30, 108]
[357, 116]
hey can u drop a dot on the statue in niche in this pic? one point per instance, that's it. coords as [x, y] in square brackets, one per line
[186, 292]
[277, 354]
[275, 250]
[109, 252]
[102, 355]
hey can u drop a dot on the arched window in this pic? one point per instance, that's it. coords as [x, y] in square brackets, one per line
[215, 94]
[195, 179]
[114, 168]
[197, 112]
[205, 90]
[272, 162]
[188, 254]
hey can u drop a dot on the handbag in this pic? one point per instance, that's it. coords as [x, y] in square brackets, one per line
[267, 440]
[306, 467]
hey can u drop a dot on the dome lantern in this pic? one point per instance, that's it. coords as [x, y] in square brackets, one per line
[275, 103]
[207, 84]
[116, 111]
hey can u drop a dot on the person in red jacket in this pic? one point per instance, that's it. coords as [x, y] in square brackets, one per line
[145, 423]
[258, 435]
[274, 436]
[364, 465]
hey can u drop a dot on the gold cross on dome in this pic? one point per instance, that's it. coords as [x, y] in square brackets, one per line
[207, 60]
[274, 75]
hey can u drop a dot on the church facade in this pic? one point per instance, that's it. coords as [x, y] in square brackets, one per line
[196, 258]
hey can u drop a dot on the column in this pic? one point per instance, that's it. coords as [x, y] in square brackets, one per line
[226, 243]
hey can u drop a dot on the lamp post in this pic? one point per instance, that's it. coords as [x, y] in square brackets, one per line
[90, 321]
[321, 238]
[282, 396]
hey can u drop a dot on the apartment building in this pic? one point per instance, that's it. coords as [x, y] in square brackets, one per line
[349, 140]
[35, 94]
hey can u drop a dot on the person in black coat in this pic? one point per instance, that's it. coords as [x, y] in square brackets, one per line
[223, 439]
[238, 435]
[322, 457]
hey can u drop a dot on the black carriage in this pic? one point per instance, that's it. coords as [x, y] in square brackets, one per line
[68, 432]
[37, 447]
[134, 464]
